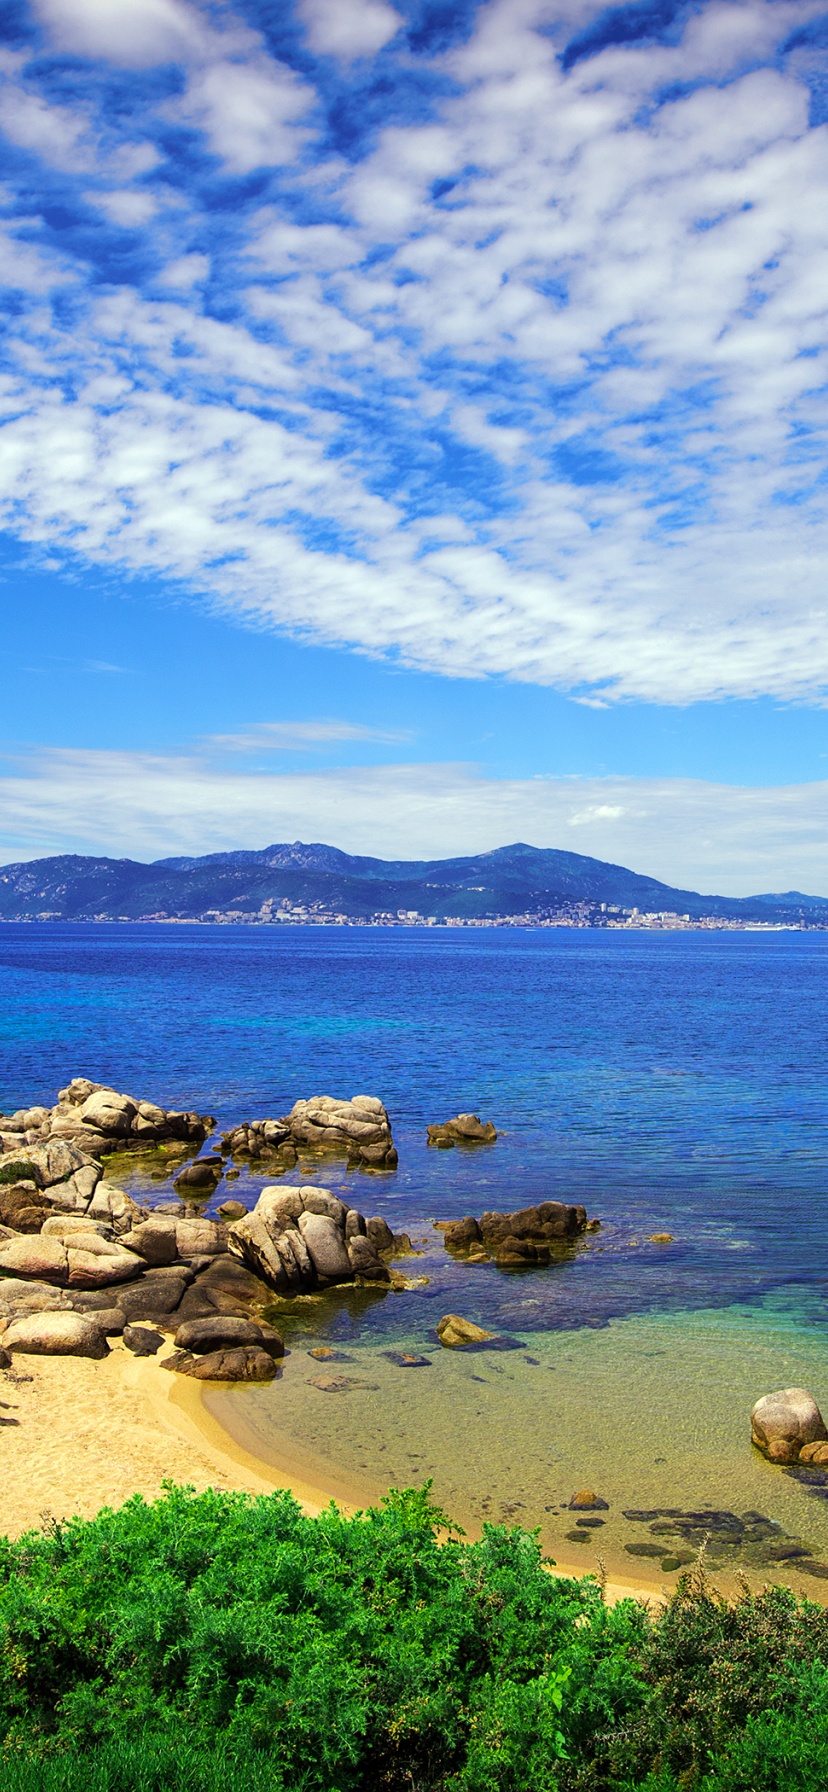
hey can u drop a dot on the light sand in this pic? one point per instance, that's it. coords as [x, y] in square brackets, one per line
[91, 1434]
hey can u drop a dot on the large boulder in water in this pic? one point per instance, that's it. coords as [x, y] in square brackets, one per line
[359, 1128]
[781, 1424]
[298, 1239]
[517, 1240]
[464, 1129]
[325, 1244]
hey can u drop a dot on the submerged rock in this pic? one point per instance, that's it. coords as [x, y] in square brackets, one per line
[455, 1333]
[783, 1422]
[335, 1384]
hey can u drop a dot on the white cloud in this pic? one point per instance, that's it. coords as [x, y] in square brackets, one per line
[247, 111]
[130, 33]
[584, 325]
[596, 812]
[129, 208]
[57, 134]
[349, 28]
[722, 839]
[297, 736]
[27, 268]
[185, 272]
[243, 100]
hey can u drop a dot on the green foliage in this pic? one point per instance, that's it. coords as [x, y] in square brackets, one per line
[17, 1171]
[216, 1642]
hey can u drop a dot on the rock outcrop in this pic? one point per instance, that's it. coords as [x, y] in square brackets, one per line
[248, 1363]
[99, 1120]
[55, 1334]
[788, 1427]
[517, 1240]
[359, 1129]
[455, 1333]
[464, 1129]
[224, 1333]
[143, 1340]
[299, 1239]
[74, 1248]
[260, 1138]
[84, 1260]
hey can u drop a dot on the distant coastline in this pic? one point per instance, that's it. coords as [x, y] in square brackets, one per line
[321, 886]
[635, 924]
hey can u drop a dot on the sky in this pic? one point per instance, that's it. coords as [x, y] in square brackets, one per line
[413, 430]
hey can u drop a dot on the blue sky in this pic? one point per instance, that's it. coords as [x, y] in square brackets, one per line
[413, 429]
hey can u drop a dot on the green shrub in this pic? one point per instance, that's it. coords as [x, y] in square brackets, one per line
[215, 1642]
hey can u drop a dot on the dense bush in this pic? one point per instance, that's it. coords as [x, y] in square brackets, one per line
[212, 1642]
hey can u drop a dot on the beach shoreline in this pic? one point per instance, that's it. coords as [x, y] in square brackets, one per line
[80, 1435]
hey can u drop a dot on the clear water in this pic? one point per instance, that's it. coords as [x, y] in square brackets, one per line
[671, 1083]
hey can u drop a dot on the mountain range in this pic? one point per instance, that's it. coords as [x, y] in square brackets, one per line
[322, 880]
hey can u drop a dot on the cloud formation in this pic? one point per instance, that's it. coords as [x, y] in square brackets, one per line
[278, 737]
[494, 343]
[724, 839]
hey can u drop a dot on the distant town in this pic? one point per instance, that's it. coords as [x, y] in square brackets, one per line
[576, 914]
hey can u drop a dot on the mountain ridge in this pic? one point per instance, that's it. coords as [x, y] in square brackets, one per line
[321, 879]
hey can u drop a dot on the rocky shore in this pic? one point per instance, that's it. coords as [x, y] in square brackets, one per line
[81, 1261]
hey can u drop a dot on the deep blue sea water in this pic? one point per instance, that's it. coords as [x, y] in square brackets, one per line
[670, 1082]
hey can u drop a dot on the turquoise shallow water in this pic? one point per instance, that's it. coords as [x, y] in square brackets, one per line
[672, 1083]
[649, 1411]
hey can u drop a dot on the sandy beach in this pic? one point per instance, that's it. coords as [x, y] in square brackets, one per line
[78, 1435]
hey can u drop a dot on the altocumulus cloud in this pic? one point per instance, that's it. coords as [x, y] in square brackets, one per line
[489, 338]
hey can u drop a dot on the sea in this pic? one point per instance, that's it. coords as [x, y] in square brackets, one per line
[675, 1084]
